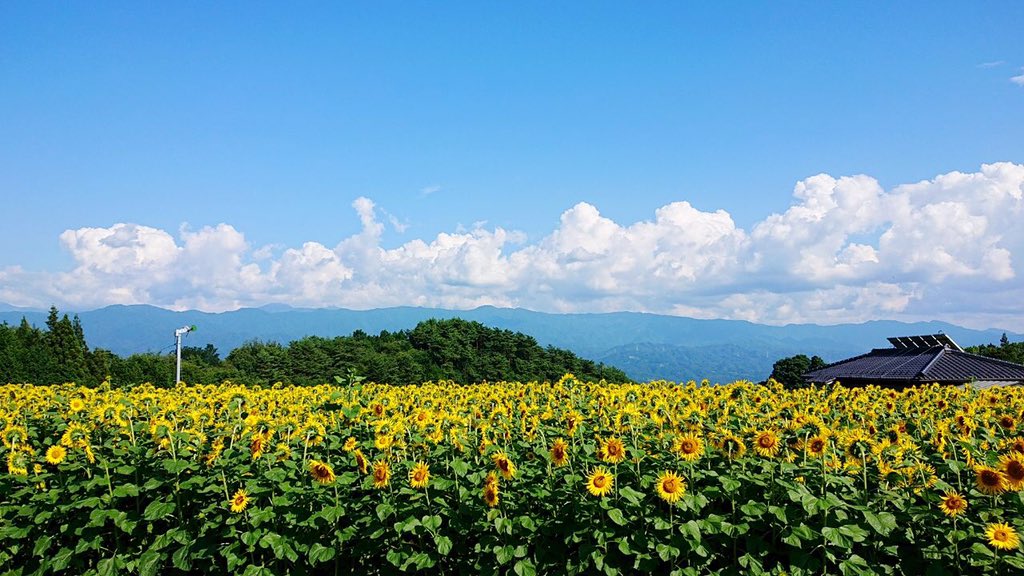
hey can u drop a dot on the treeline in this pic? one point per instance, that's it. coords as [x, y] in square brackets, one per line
[1006, 350]
[434, 350]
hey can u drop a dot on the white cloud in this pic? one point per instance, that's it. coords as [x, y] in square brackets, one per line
[428, 190]
[846, 250]
[397, 224]
[120, 247]
[1019, 79]
[992, 64]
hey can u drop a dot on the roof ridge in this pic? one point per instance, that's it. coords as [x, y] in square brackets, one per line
[924, 371]
[845, 360]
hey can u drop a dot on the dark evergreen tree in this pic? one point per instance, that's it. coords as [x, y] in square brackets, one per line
[67, 348]
[206, 356]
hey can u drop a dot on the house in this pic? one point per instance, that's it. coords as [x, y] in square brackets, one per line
[915, 360]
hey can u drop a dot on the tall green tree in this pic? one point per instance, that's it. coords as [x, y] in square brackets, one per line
[261, 362]
[790, 371]
[66, 343]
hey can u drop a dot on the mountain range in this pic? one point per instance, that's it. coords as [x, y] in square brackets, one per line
[645, 346]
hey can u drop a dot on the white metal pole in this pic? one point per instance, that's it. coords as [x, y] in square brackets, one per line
[177, 364]
[177, 345]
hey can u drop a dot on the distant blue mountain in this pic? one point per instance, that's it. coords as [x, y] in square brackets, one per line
[645, 346]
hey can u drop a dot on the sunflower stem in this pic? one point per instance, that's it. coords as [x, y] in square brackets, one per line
[956, 547]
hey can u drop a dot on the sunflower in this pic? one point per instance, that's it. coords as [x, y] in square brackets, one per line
[858, 445]
[419, 476]
[953, 504]
[259, 443]
[383, 441]
[361, 462]
[350, 444]
[491, 494]
[76, 405]
[816, 446]
[689, 447]
[284, 451]
[559, 452]
[1002, 536]
[18, 460]
[75, 436]
[381, 473]
[321, 472]
[733, 446]
[599, 482]
[1017, 445]
[504, 465]
[989, 480]
[766, 443]
[670, 487]
[1012, 466]
[239, 501]
[612, 451]
[215, 450]
[572, 422]
[56, 454]
[14, 434]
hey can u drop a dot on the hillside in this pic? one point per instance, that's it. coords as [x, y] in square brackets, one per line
[646, 361]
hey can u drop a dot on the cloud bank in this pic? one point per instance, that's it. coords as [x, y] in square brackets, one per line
[846, 250]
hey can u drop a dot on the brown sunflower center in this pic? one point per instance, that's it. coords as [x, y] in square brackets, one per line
[1015, 470]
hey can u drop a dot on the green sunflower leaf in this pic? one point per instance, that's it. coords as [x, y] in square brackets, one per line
[616, 515]
[318, 554]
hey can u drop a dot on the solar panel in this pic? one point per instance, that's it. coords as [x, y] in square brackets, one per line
[923, 341]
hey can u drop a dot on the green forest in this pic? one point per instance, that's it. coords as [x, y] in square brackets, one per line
[1006, 350]
[434, 350]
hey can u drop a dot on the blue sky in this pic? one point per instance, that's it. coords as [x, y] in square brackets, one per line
[570, 157]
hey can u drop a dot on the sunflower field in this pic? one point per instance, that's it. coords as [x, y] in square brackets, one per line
[561, 477]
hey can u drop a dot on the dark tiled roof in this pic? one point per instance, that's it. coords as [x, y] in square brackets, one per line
[925, 364]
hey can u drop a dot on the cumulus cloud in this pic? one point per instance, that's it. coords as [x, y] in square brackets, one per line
[845, 250]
